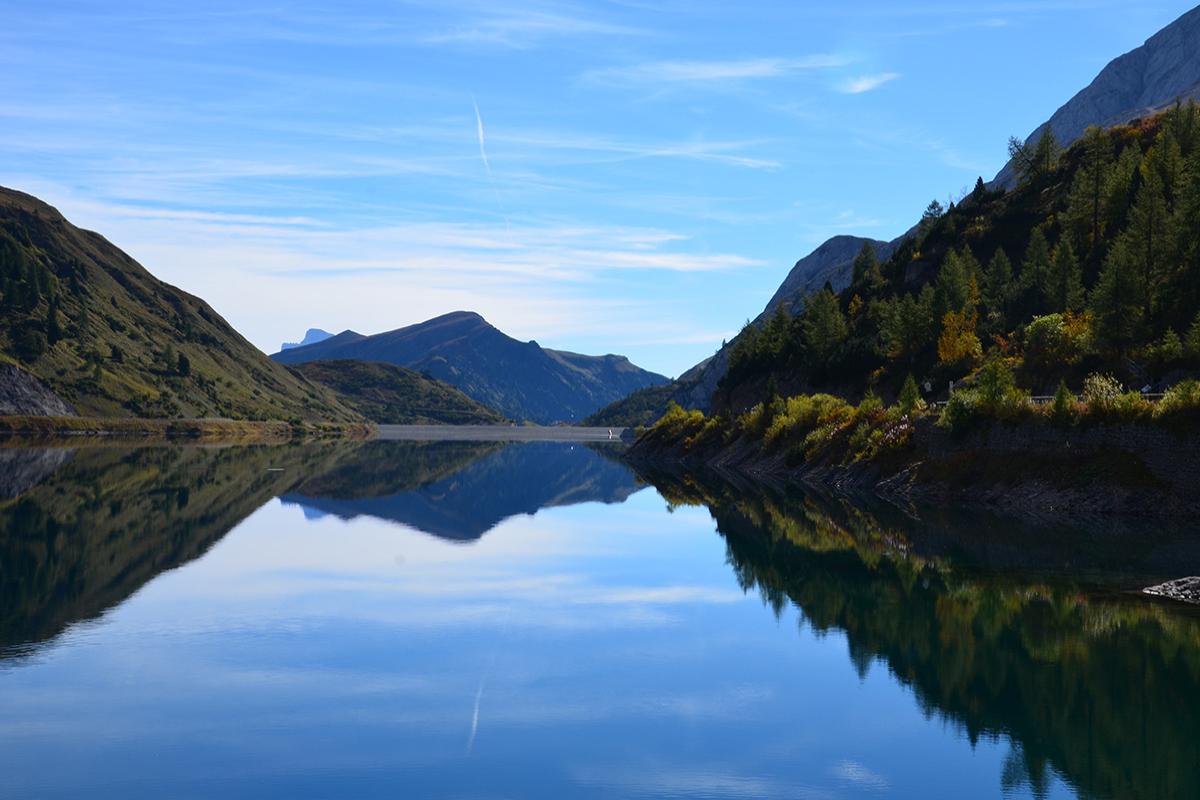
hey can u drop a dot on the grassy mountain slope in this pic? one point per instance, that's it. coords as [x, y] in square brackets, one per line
[113, 340]
[519, 379]
[392, 395]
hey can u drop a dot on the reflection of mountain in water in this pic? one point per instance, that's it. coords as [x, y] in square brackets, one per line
[81, 530]
[1097, 686]
[89, 535]
[497, 482]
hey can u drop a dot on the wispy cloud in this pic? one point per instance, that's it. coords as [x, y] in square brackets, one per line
[723, 151]
[866, 83]
[521, 28]
[701, 72]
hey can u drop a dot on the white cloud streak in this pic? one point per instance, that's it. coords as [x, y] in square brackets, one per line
[707, 72]
[867, 83]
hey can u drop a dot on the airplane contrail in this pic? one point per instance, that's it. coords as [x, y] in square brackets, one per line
[479, 132]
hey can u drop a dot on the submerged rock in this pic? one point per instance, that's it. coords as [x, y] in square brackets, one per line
[1186, 590]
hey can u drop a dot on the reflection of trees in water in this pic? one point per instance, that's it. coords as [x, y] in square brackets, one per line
[111, 519]
[1101, 688]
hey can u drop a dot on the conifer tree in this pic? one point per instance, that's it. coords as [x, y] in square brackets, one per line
[1117, 299]
[1118, 189]
[1034, 161]
[824, 327]
[933, 212]
[910, 395]
[955, 289]
[53, 327]
[1147, 237]
[1066, 282]
[1035, 273]
[997, 291]
[867, 275]
[1085, 207]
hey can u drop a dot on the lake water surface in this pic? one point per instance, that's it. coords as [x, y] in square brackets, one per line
[459, 620]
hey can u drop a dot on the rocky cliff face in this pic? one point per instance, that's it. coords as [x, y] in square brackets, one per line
[23, 394]
[829, 263]
[1163, 70]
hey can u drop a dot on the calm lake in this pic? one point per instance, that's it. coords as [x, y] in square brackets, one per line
[461, 620]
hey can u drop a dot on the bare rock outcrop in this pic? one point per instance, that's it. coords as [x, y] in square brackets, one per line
[22, 394]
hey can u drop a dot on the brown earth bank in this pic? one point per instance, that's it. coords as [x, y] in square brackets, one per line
[1030, 469]
[22, 430]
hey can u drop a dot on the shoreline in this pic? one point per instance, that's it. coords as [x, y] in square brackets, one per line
[31, 429]
[34, 429]
[1034, 471]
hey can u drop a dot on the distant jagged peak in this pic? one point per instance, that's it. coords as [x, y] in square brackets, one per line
[311, 336]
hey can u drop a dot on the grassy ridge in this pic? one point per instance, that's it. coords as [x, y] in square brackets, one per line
[114, 341]
[392, 395]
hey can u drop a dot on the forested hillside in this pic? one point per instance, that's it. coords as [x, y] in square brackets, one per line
[1091, 265]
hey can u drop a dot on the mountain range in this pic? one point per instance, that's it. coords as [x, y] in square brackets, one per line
[521, 380]
[87, 330]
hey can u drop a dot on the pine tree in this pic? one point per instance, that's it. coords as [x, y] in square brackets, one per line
[997, 291]
[979, 192]
[1033, 162]
[910, 396]
[933, 212]
[1085, 207]
[1062, 410]
[1118, 189]
[1117, 299]
[824, 327]
[955, 288]
[867, 275]
[1066, 282]
[1148, 237]
[909, 326]
[53, 328]
[1035, 273]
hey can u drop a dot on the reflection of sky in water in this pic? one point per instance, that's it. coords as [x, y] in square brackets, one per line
[590, 650]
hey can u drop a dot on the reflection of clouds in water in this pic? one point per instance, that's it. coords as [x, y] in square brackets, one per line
[692, 781]
[858, 774]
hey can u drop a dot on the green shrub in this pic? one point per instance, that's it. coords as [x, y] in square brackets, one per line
[1064, 410]
[800, 415]
[1056, 341]
[1182, 398]
[1100, 391]
[995, 396]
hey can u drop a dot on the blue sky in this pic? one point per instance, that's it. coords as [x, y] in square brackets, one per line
[628, 176]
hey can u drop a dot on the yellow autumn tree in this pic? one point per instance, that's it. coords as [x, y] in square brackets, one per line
[958, 345]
